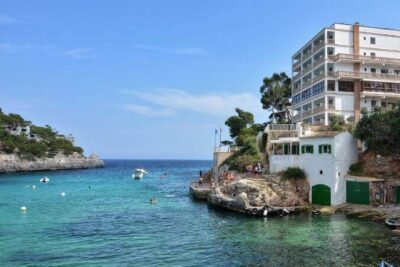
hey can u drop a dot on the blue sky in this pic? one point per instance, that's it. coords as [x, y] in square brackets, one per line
[153, 79]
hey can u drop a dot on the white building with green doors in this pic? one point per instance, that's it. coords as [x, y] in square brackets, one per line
[324, 156]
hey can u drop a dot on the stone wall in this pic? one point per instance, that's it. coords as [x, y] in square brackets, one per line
[12, 163]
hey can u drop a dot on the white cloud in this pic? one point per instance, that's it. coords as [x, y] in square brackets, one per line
[218, 104]
[189, 51]
[149, 111]
[4, 19]
[78, 53]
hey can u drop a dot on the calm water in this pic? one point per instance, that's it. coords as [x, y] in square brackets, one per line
[105, 219]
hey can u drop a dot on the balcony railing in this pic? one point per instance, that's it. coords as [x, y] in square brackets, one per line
[361, 58]
[306, 54]
[319, 109]
[331, 41]
[295, 77]
[282, 127]
[366, 75]
[382, 90]
[296, 64]
[305, 69]
[318, 46]
[318, 61]
[306, 113]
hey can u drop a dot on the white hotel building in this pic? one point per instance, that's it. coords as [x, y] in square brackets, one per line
[343, 69]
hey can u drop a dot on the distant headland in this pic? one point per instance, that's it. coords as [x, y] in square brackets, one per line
[27, 147]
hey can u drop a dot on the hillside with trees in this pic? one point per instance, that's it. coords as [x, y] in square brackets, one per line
[28, 141]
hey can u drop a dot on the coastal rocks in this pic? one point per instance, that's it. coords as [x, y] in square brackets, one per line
[12, 163]
[199, 191]
[381, 166]
[245, 194]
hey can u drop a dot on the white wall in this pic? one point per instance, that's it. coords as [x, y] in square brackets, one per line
[278, 163]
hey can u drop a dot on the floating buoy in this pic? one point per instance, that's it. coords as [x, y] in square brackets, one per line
[63, 194]
[23, 209]
[33, 186]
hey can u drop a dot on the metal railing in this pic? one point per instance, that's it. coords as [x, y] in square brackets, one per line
[362, 58]
[366, 75]
[331, 41]
[381, 90]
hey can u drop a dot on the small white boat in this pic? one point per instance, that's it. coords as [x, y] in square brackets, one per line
[44, 180]
[139, 173]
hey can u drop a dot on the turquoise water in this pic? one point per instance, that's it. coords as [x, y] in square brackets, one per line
[105, 219]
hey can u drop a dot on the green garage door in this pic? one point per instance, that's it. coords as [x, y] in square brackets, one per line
[321, 194]
[398, 194]
[357, 192]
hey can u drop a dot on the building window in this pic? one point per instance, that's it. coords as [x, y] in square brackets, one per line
[331, 85]
[321, 172]
[373, 54]
[307, 149]
[397, 72]
[295, 149]
[365, 38]
[346, 86]
[324, 149]
[373, 103]
[365, 54]
[373, 70]
[384, 71]
[365, 69]
[318, 88]
[372, 40]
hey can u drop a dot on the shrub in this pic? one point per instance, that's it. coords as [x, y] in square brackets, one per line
[356, 168]
[248, 154]
[293, 173]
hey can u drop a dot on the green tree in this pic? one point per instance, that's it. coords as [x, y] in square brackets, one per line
[276, 93]
[380, 131]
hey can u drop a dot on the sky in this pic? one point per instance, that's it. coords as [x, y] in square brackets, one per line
[154, 79]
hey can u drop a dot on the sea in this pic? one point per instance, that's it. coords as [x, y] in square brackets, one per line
[103, 217]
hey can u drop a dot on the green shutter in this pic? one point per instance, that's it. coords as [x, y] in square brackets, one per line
[320, 149]
[330, 148]
[312, 149]
[303, 149]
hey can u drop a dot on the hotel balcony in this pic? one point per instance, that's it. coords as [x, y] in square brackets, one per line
[307, 113]
[296, 64]
[281, 127]
[323, 108]
[297, 76]
[318, 46]
[367, 76]
[318, 61]
[367, 59]
[306, 69]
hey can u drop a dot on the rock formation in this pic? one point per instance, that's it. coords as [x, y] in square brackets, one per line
[12, 163]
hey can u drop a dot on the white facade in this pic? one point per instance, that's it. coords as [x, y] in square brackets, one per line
[339, 58]
[326, 163]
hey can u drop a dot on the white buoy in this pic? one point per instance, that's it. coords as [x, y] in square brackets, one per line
[23, 209]
[63, 194]
[33, 186]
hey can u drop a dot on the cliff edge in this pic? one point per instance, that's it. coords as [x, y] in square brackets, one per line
[13, 163]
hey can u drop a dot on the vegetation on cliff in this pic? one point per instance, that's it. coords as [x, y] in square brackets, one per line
[380, 131]
[45, 141]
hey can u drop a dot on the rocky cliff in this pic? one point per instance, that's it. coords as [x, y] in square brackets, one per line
[12, 163]
[246, 193]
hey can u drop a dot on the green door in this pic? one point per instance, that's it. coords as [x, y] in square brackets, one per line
[321, 194]
[357, 192]
[398, 194]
